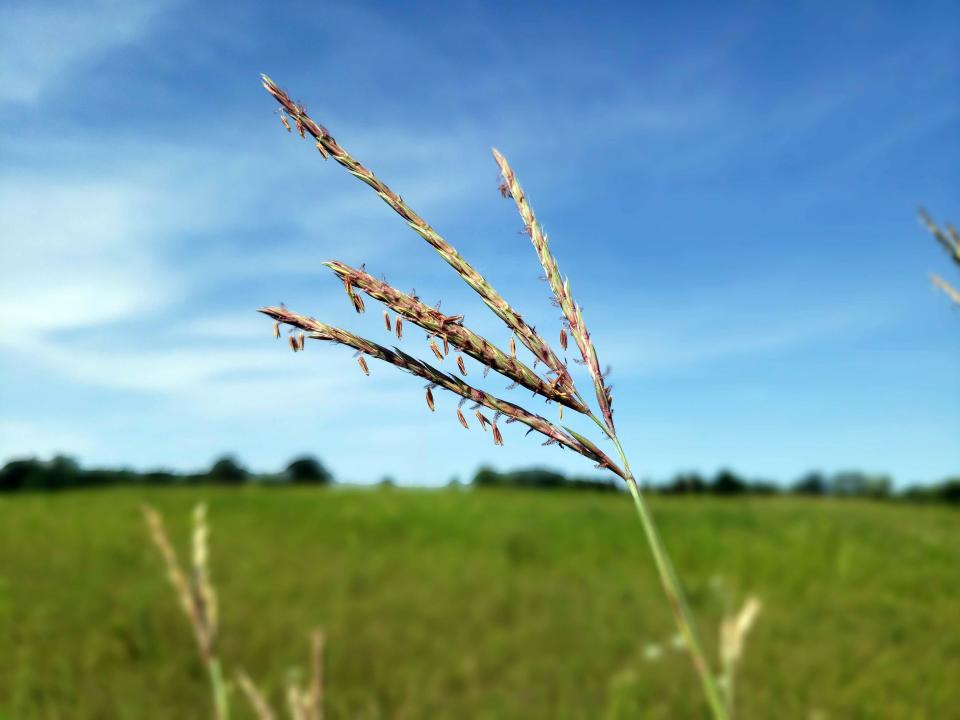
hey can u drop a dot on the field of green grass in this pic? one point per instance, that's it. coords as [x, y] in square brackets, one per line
[466, 604]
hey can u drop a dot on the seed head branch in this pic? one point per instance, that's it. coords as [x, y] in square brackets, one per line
[195, 594]
[451, 329]
[560, 287]
[319, 331]
[329, 147]
[950, 240]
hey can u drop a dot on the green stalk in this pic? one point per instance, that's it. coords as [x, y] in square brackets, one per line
[671, 587]
[219, 687]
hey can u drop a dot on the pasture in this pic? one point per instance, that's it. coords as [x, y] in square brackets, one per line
[479, 604]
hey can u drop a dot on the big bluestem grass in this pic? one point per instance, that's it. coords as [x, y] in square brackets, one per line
[198, 599]
[949, 240]
[558, 386]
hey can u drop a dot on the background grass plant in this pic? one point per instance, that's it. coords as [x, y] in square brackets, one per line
[949, 240]
[197, 598]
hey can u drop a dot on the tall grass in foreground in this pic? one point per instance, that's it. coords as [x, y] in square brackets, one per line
[555, 383]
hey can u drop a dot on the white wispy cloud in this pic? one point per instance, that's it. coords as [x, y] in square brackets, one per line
[74, 254]
[41, 44]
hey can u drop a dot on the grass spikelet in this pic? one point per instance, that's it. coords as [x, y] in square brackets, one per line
[399, 327]
[563, 338]
[436, 350]
[560, 288]
[294, 345]
[276, 330]
[498, 438]
[300, 341]
[357, 302]
[460, 365]
[362, 362]
[386, 321]
[430, 400]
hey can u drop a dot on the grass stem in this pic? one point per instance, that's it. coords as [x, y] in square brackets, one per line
[219, 687]
[674, 591]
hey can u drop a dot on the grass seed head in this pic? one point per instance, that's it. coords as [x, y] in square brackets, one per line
[452, 332]
[733, 631]
[435, 378]
[256, 699]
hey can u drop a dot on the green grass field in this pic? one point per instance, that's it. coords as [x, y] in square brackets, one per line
[494, 604]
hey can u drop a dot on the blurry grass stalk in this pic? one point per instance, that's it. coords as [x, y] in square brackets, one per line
[198, 600]
[949, 239]
[733, 633]
[306, 703]
[196, 595]
[556, 385]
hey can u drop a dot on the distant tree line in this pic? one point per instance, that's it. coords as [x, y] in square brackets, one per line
[63, 473]
[541, 478]
[728, 483]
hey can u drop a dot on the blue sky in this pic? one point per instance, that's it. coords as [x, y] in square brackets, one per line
[731, 191]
